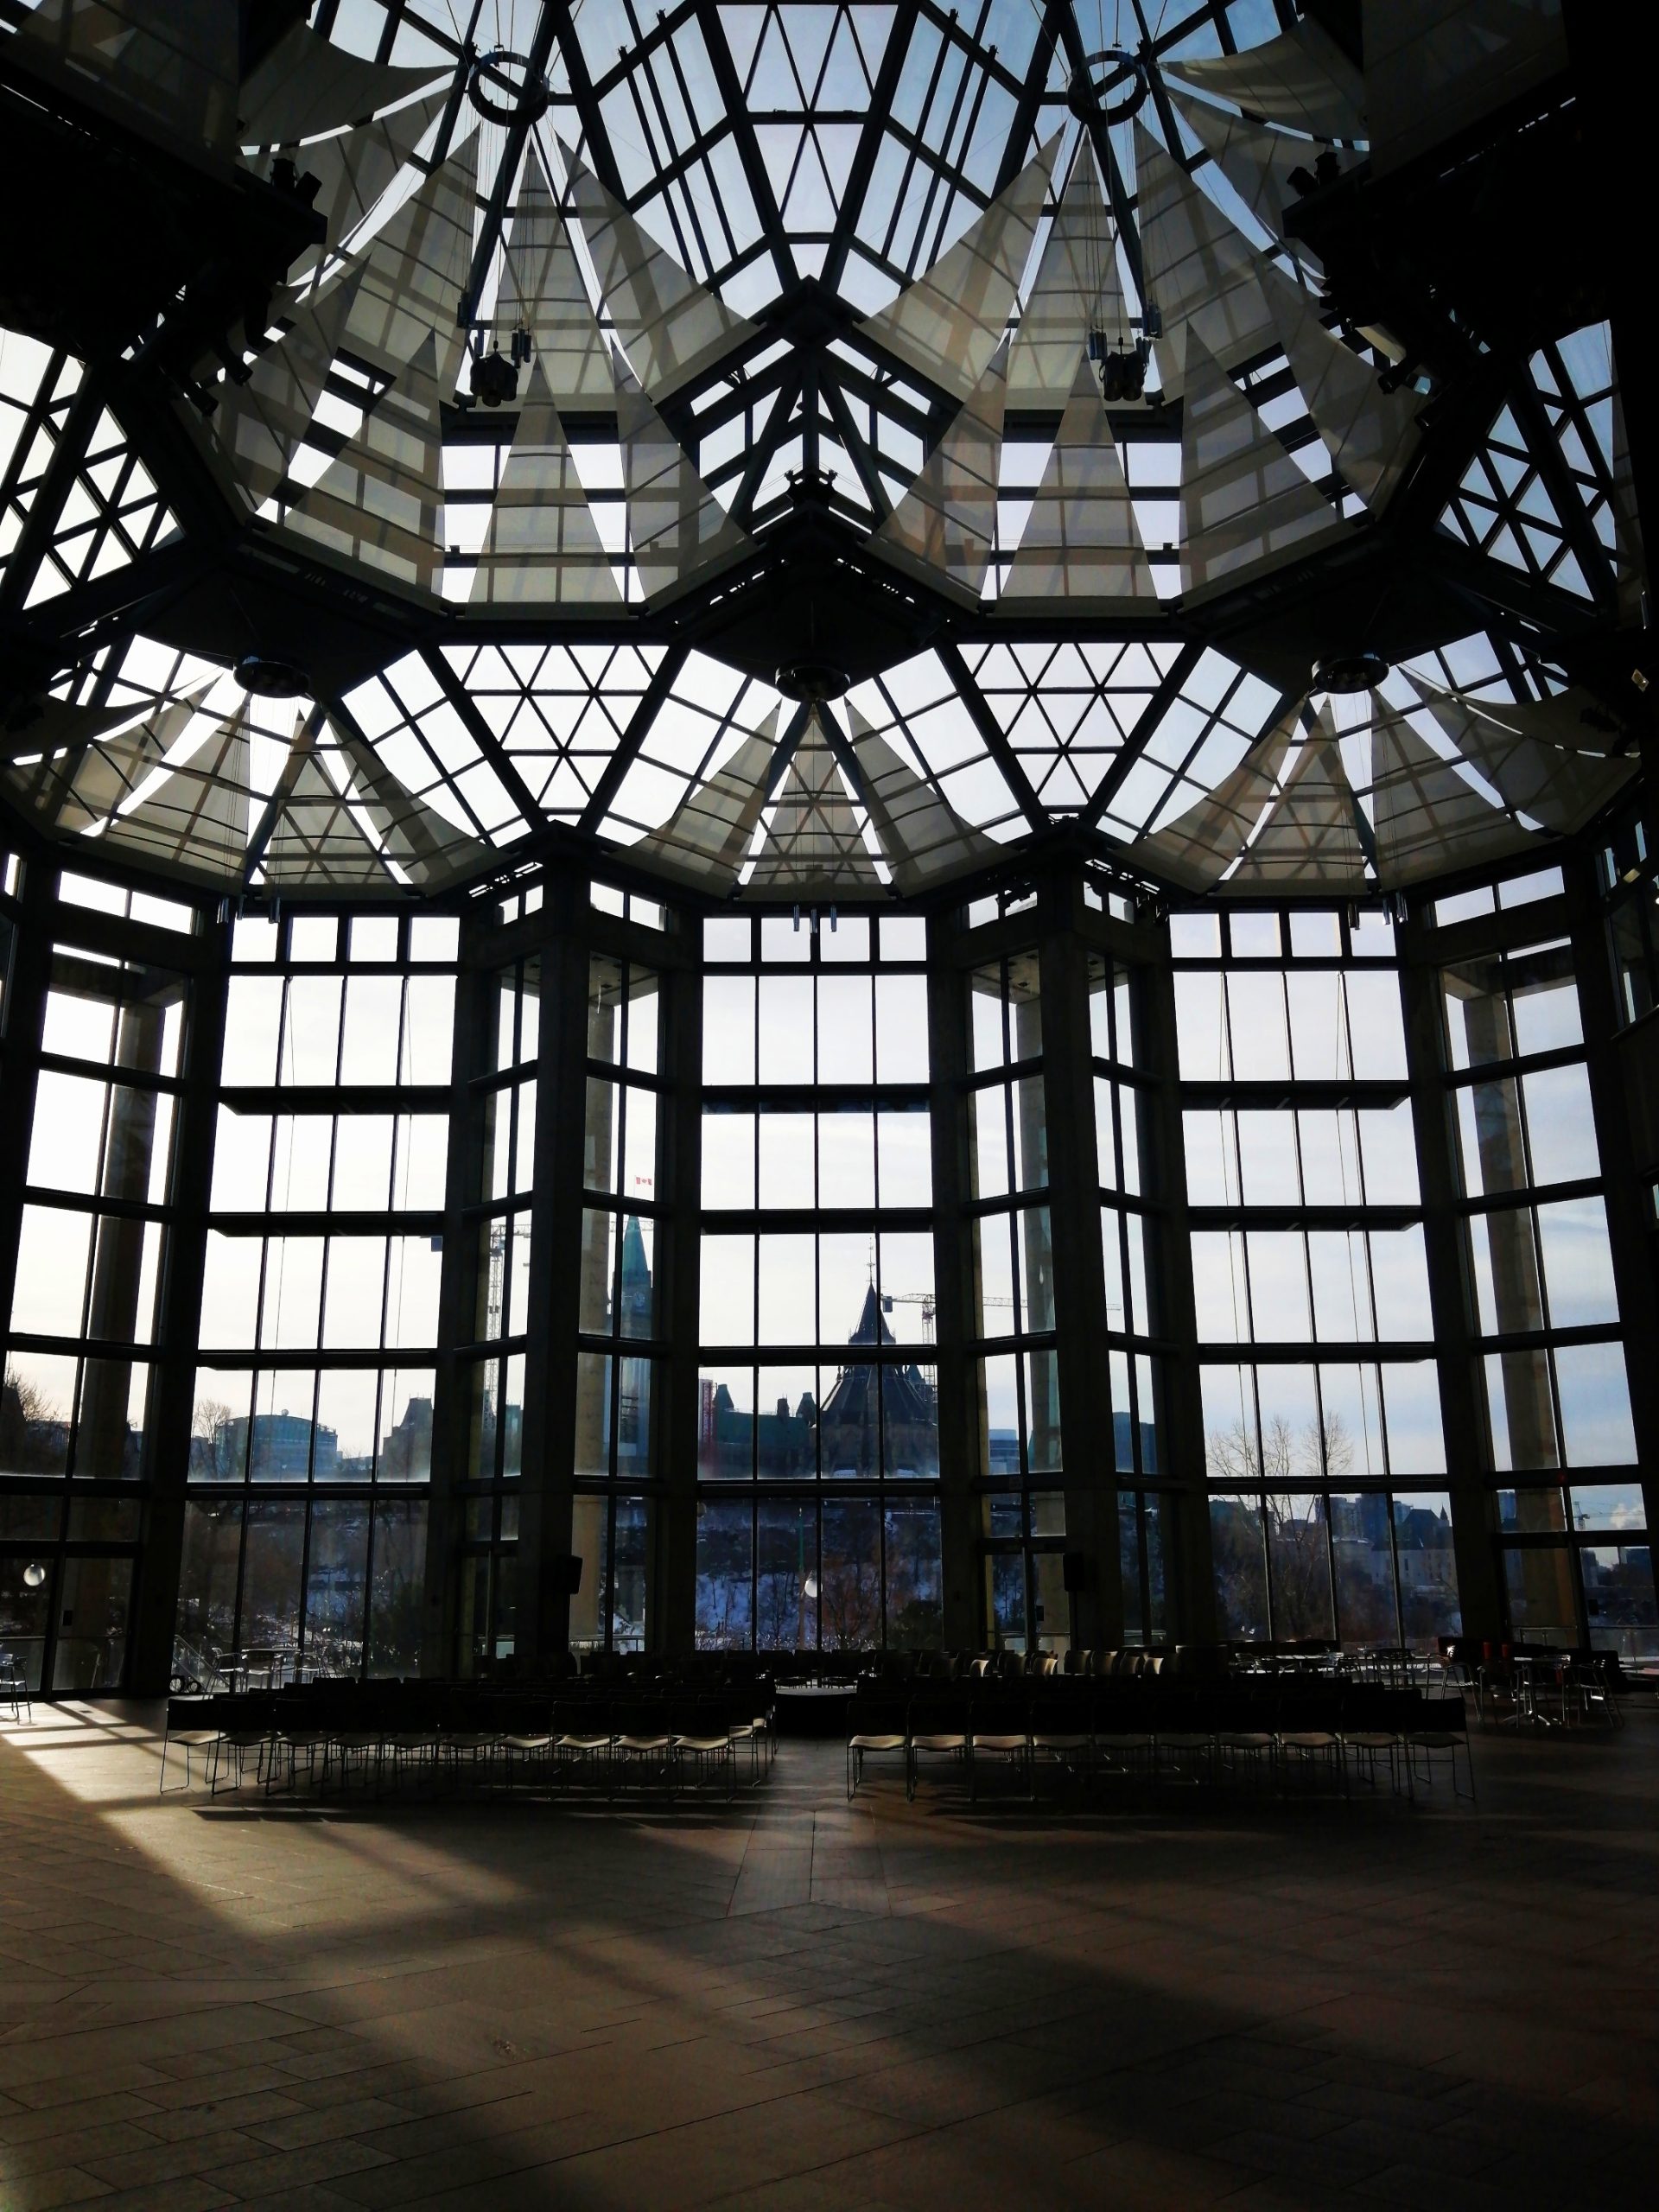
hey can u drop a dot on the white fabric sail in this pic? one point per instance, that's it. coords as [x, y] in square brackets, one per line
[353, 170]
[1301, 79]
[677, 527]
[1197, 848]
[197, 818]
[260, 425]
[411, 275]
[1075, 288]
[1202, 274]
[949, 322]
[1371, 435]
[922, 837]
[319, 842]
[430, 850]
[91, 760]
[1426, 818]
[379, 501]
[1310, 839]
[1560, 789]
[307, 87]
[814, 841]
[671, 327]
[708, 834]
[1081, 542]
[543, 293]
[1254, 160]
[1244, 502]
[945, 525]
[542, 548]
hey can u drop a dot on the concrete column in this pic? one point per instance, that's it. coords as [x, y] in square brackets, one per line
[1089, 1459]
[671, 1622]
[167, 1460]
[953, 1270]
[1189, 1565]
[1629, 1207]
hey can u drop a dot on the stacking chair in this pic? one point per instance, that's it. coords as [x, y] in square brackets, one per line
[701, 1735]
[938, 1730]
[581, 1738]
[1439, 1730]
[246, 1732]
[1371, 1728]
[1061, 1728]
[642, 1742]
[1183, 1749]
[526, 1739]
[1124, 1742]
[998, 1729]
[1246, 1746]
[744, 1726]
[15, 1690]
[468, 1742]
[1308, 1739]
[875, 1729]
[297, 1735]
[353, 1745]
[191, 1725]
[409, 1750]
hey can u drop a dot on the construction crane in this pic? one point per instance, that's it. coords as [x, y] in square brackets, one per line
[925, 1299]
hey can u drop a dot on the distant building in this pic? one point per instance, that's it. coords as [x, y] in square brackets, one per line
[845, 1436]
[283, 1448]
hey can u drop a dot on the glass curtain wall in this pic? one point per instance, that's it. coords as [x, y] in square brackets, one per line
[623, 1315]
[311, 1446]
[817, 1415]
[1324, 1449]
[85, 1323]
[1545, 1305]
[1014, 1361]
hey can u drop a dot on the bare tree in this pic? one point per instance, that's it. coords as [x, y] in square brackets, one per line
[209, 1444]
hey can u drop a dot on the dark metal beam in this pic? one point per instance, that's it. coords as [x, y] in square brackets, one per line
[484, 737]
[628, 745]
[990, 729]
[1180, 668]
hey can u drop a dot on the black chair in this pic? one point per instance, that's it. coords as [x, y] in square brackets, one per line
[192, 1725]
[1439, 1732]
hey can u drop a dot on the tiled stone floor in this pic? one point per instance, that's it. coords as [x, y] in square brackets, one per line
[797, 2005]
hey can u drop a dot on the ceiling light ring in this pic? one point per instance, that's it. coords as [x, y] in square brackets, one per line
[1088, 94]
[527, 95]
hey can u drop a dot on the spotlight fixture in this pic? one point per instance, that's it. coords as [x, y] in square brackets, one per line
[1122, 368]
[267, 677]
[495, 378]
[1340, 672]
[293, 182]
[811, 682]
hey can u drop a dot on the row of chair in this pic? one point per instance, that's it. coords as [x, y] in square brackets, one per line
[1193, 1737]
[421, 1738]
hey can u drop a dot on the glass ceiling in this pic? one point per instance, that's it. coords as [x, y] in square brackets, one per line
[805, 550]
